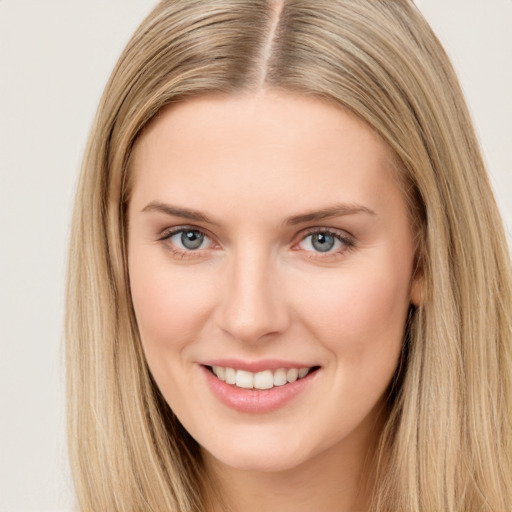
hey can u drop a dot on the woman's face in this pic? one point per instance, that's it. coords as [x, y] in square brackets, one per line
[269, 242]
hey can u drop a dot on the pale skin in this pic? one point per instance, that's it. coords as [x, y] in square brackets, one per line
[302, 251]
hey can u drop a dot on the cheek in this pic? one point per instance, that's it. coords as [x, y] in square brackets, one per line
[170, 306]
[360, 318]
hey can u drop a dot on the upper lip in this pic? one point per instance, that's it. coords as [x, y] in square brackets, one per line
[256, 366]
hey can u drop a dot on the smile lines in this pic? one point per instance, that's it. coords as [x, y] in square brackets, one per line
[266, 379]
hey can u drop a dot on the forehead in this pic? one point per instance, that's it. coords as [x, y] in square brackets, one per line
[267, 147]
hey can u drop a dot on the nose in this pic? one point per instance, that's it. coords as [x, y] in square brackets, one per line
[253, 305]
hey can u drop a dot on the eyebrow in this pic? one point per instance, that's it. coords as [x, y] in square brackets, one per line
[177, 211]
[337, 210]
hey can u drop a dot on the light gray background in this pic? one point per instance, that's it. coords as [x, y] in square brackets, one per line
[55, 57]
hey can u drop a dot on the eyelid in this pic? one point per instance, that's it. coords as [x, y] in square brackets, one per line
[183, 253]
[347, 239]
[339, 233]
[170, 231]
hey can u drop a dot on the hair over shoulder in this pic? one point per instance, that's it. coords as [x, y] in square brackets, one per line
[447, 444]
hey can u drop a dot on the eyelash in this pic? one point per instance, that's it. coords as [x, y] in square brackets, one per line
[181, 253]
[348, 242]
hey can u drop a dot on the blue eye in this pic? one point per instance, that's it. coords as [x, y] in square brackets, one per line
[323, 242]
[189, 239]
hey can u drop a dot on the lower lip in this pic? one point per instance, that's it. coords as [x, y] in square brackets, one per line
[256, 400]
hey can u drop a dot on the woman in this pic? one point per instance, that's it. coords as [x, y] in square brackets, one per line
[289, 285]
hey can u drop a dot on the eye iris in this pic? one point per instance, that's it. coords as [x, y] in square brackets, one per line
[322, 242]
[192, 239]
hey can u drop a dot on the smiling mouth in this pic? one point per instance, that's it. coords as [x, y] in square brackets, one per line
[266, 379]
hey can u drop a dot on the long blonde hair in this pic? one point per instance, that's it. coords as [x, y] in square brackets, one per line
[447, 442]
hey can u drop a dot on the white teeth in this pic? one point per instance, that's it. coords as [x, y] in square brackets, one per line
[292, 375]
[230, 376]
[220, 371]
[244, 379]
[302, 372]
[280, 377]
[266, 379]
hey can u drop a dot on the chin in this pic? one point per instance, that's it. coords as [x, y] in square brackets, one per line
[259, 454]
[265, 462]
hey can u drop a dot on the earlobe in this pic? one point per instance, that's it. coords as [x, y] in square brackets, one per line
[417, 288]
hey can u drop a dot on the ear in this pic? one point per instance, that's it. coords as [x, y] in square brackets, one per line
[417, 289]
